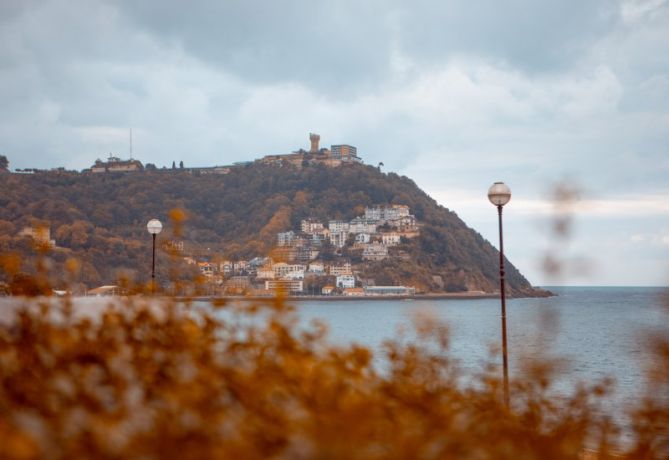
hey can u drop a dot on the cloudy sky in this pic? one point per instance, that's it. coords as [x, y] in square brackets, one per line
[455, 94]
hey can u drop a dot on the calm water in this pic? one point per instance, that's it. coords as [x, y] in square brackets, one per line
[601, 331]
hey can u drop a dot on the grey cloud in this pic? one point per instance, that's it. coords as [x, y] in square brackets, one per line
[331, 44]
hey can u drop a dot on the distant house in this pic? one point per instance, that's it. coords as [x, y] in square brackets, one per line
[282, 269]
[362, 225]
[115, 164]
[337, 226]
[311, 226]
[265, 272]
[206, 269]
[285, 238]
[390, 239]
[362, 238]
[346, 281]
[384, 214]
[226, 267]
[338, 239]
[40, 234]
[354, 292]
[316, 267]
[336, 270]
[327, 290]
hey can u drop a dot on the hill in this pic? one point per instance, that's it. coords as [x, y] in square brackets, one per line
[100, 220]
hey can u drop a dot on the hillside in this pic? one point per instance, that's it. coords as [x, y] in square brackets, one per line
[100, 219]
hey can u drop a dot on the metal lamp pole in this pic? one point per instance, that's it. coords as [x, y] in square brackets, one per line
[154, 227]
[499, 195]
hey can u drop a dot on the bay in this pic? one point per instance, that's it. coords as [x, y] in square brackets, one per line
[599, 331]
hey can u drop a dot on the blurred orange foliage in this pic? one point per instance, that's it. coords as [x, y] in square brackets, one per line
[168, 378]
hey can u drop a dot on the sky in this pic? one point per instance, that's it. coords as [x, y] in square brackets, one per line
[566, 101]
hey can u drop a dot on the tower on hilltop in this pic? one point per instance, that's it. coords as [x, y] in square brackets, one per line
[315, 139]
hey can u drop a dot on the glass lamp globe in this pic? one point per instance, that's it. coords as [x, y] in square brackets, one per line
[154, 226]
[499, 194]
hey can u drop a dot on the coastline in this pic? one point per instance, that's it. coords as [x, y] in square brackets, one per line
[342, 298]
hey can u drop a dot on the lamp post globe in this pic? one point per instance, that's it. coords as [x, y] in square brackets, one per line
[499, 194]
[154, 227]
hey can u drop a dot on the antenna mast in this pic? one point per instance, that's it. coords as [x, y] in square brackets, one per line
[131, 143]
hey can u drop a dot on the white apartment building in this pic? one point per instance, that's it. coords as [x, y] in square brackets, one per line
[265, 272]
[297, 275]
[396, 211]
[338, 239]
[345, 281]
[390, 239]
[285, 238]
[404, 222]
[282, 269]
[336, 226]
[384, 214]
[316, 267]
[311, 226]
[363, 238]
[362, 225]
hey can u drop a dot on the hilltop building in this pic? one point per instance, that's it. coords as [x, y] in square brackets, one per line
[115, 164]
[345, 153]
[40, 234]
[333, 157]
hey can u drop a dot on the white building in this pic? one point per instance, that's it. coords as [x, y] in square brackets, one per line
[41, 235]
[362, 225]
[345, 281]
[403, 223]
[266, 272]
[337, 226]
[297, 275]
[390, 239]
[285, 238]
[338, 239]
[317, 267]
[282, 269]
[374, 213]
[363, 238]
[383, 214]
[311, 226]
[226, 267]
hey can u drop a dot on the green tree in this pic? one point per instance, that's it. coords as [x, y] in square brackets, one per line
[4, 162]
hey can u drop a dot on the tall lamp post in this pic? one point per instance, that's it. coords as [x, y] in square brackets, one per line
[154, 227]
[499, 194]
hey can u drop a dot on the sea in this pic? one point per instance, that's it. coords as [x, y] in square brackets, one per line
[594, 333]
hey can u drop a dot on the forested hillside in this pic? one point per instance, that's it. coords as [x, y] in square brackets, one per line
[100, 219]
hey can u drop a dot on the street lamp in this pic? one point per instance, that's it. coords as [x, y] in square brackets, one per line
[154, 227]
[499, 194]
